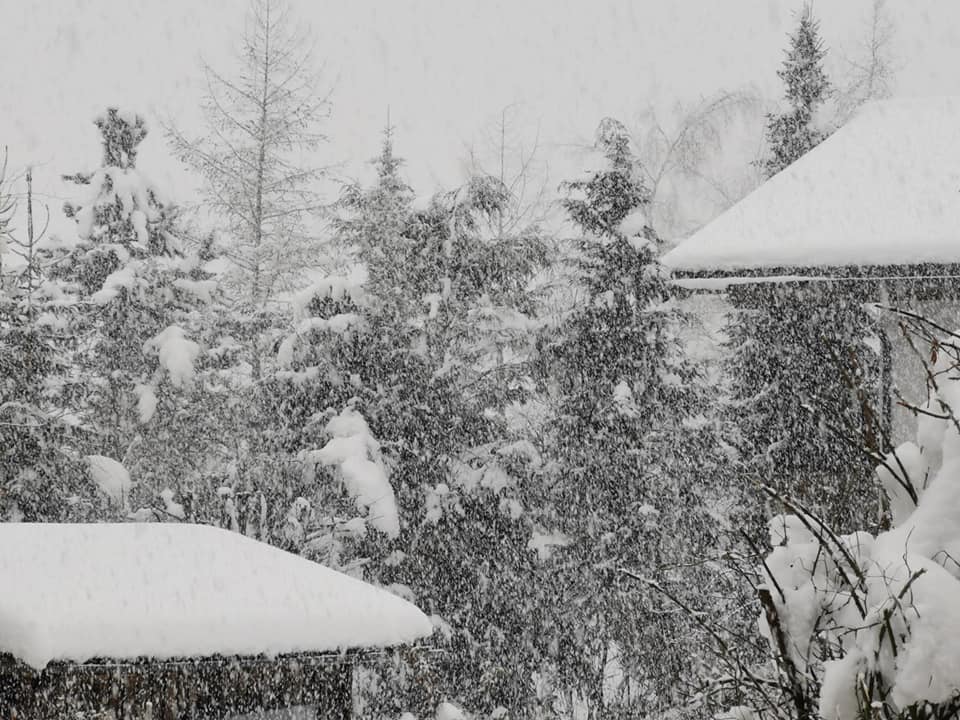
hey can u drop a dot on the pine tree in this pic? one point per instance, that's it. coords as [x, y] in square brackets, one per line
[793, 133]
[625, 459]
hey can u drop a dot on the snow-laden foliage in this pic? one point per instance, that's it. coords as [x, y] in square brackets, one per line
[860, 624]
[499, 425]
[111, 478]
[354, 452]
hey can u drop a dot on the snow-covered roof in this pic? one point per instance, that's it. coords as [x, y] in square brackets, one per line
[882, 190]
[158, 590]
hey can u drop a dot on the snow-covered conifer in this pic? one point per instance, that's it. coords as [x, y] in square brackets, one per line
[138, 289]
[622, 451]
[795, 131]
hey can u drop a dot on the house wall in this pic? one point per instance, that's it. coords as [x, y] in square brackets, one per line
[909, 375]
[703, 336]
[710, 312]
[206, 689]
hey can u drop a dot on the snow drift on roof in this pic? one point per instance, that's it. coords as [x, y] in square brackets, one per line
[882, 190]
[122, 591]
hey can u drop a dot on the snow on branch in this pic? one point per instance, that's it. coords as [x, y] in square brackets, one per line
[355, 454]
[111, 477]
[176, 354]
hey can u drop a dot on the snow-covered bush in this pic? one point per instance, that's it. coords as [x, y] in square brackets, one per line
[865, 625]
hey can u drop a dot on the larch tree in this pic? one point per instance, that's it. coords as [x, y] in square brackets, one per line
[258, 158]
[794, 132]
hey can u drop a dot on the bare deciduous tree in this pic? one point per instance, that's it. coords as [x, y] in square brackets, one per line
[684, 158]
[8, 206]
[870, 72]
[509, 156]
[262, 124]
[30, 276]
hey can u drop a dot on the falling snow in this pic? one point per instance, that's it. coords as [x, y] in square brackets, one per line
[633, 394]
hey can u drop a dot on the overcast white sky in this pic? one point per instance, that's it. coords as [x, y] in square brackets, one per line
[445, 67]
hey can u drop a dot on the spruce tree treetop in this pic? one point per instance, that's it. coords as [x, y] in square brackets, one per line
[375, 220]
[391, 196]
[125, 211]
[802, 72]
[608, 196]
[122, 134]
[793, 133]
